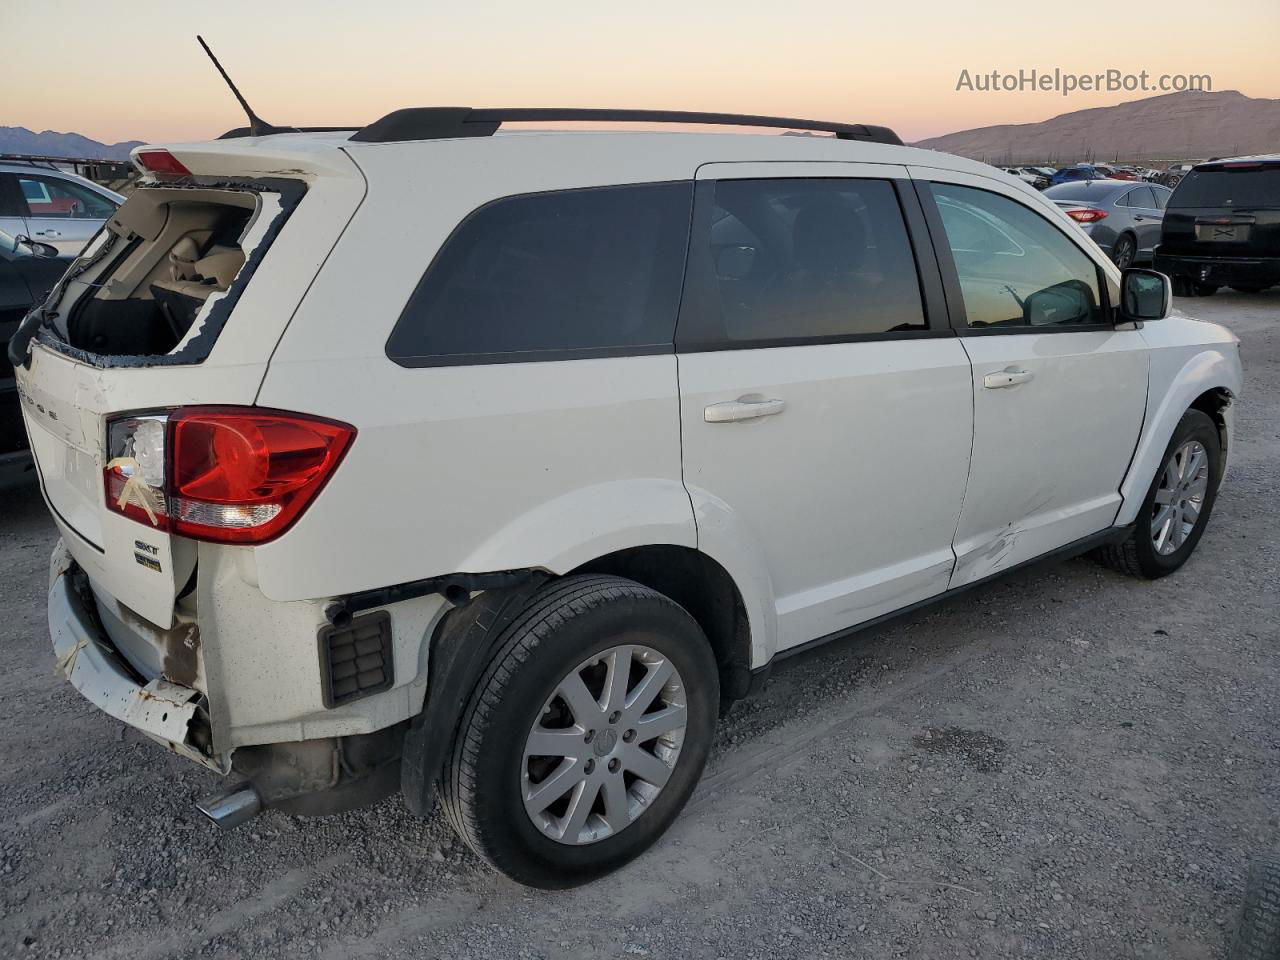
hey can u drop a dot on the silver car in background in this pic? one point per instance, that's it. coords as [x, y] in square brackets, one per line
[1123, 217]
[52, 206]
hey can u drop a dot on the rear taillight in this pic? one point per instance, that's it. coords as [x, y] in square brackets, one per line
[226, 474]
[1087, 215]
[162, 163]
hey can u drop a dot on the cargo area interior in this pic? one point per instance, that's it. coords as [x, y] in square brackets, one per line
[167, 252]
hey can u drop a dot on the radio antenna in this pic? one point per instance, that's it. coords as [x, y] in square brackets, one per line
[257, 126]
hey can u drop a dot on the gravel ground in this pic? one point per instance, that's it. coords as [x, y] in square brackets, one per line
[1065, 764]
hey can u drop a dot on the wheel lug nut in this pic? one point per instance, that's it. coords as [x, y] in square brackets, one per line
[613, 717]
[591, 765]
[628, 736]
[591, 735]
[614, 765]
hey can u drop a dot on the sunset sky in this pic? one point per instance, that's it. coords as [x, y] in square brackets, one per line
[134, 70]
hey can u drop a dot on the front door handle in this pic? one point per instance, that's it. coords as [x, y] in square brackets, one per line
[1009, 377]
[744, 408]
[48, 233]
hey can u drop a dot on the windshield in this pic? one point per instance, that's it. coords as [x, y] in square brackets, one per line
[1256, 187]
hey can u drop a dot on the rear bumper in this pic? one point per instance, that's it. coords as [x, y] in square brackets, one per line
[166, 712]
[1220, 270]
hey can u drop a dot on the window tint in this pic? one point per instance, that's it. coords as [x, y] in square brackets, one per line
[583, 272]
[1016, 269]
[1245, 187]
[1141, 198]
[794, 259]
[11, 202]
[62, 199]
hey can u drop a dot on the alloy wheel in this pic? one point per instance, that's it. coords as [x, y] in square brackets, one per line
[1179, 499]
[1124, 252]
[604, 744]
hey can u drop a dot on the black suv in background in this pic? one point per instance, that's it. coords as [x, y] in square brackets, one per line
[1222, 227]
[27, 271]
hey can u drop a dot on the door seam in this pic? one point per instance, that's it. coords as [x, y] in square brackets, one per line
[968, 477]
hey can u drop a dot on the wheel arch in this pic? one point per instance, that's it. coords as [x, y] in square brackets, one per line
[1208, 381]
[705, 590]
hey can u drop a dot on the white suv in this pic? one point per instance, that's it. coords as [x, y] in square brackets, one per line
[419, 457]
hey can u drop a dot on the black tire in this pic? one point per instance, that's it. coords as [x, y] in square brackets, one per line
[1204, 289]
[1252, 288]
[1125, 251]
[1257, 934]
[1137, 555]
[563, 625]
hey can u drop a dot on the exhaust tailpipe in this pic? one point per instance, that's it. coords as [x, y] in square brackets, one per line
[232, 808]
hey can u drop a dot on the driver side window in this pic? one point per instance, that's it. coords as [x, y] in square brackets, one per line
[1016, 269]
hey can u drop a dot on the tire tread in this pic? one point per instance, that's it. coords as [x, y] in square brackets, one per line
[1257, 935]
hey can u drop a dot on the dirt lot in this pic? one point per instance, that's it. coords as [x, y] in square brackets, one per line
[1065, 764]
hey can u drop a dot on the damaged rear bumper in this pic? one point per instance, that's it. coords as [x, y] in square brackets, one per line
[162, 710]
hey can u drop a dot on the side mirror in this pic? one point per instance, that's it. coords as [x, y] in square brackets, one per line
[1144, 295]
[34, 248]
[1070, 301]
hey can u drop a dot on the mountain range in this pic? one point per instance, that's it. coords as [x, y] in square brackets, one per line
[1173, 126]
[49, 143]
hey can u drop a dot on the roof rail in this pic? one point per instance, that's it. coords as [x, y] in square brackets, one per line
[437, 123]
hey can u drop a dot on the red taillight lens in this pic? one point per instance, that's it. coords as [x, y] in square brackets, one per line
[162, 163]
[232, 474]
[1087, 216]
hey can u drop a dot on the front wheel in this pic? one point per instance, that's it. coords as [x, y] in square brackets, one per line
[586, 734]
[1176, 510]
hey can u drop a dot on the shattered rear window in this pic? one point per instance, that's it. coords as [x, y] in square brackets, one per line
[161, 281]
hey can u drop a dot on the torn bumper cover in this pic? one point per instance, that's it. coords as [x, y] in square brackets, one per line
[162, 710]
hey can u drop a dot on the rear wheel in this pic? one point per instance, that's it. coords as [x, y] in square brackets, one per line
[1173, 516]
[1124, 251]
[586, 735]
[1249, 288]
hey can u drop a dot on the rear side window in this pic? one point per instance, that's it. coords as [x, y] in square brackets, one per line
[553, 276]
[1141, 197]
[789, 261]
[1240, 188]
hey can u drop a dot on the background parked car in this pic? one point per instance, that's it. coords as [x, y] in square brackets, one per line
[1223, 227]
[1175, 172]
[26, 271]
[52, 206]
[1029, 175]
[1121, 216]
[1081, 171]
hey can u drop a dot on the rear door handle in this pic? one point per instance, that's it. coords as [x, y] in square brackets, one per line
[1010, 377]
[744, 408]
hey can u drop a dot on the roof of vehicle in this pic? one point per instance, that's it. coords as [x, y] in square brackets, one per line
[1257, 158]
[1097, 185]
[662, 147]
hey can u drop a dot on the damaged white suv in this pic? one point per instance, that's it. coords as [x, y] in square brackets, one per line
[428, 457]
